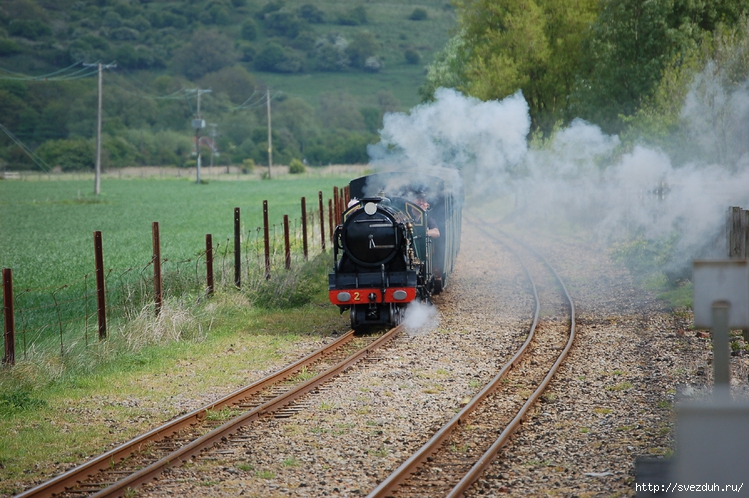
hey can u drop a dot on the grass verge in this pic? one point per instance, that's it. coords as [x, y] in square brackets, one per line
[57, 411]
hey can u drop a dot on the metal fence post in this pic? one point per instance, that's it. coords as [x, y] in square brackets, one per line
[157, 288]
[10, 327]
[101, 305]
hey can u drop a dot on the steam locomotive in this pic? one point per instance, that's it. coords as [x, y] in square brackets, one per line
[387, 252]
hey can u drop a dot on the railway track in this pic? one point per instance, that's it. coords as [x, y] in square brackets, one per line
[456, 456]
[140, 460]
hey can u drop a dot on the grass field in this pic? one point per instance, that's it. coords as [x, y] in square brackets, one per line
[47, 227]
[47, 235]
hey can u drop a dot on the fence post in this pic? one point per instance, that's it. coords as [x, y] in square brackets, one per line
[101, 306]
[237, 250]
[331, 225]
[322, 220]
[304, 228]
[267, 241]
[336, 203]
[346, 196]
[209, 263]
[286, 244]
[157, 290]
[10, 326]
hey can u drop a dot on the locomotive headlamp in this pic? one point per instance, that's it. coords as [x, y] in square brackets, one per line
[400, 295]
[370, 208]
[344, 297]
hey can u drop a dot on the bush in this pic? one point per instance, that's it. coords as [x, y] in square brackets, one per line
[353, 17]
[8, 47]
[249, 30]
[418, 14]
[248, 166]
[311, 13]
[69, 155]
[412, 56]
[31, 29]
[296, 167]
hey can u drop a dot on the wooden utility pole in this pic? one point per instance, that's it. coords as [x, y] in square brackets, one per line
[97, 167]
[270, 139]
[198, 123]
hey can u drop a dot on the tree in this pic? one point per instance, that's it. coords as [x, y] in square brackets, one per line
[208, 51]
[630, 46]
[418, 14]
[249, 30]
[234, 81]
[363, 45]
[311, 14]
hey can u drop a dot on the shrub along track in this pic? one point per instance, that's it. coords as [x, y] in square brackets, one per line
[145, 457]
[453, 459]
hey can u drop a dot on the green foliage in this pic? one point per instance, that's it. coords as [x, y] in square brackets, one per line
[19, 400]
[31, 29]
[207, 51]
[353, 17]
[362, 46]
[412, 56]
[418, 14]
[277, 58]
[8, 47]
[69, 155]
[248, 166]
[249, 29]
[311, 14]
[297, 167]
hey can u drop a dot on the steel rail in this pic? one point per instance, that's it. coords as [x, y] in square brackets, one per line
[480, 466]
[103, 462]
[412, 464]
[186, 452]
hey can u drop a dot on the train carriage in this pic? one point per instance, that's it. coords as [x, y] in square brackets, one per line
[384, 256]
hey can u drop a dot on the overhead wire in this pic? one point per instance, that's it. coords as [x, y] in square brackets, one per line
[37, 160]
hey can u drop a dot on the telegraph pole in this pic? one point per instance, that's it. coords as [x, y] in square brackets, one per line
[198, 123]
[270, 139]
[213, 140]
[97, 168]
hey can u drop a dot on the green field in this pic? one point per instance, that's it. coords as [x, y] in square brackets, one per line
[47, 226]
[47, 238]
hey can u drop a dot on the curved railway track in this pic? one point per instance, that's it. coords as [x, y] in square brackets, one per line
[456, 456]
[142, 459]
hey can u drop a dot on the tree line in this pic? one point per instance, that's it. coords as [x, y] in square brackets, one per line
[625, 65]
[163, 49]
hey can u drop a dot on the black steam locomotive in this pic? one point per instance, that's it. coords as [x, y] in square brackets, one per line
[397, 242]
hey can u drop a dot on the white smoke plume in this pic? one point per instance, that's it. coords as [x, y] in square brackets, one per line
[574, 176]
[420, 318]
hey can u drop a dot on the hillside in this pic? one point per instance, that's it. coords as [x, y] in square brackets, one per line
[333, 69]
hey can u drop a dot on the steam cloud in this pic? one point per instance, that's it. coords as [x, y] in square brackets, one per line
[578, 176]
[420, 318]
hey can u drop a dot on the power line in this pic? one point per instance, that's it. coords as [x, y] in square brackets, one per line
[37, 160]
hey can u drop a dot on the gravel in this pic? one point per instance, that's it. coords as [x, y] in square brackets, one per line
[611, 402]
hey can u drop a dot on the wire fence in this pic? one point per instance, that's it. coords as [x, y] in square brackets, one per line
[63, 317]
